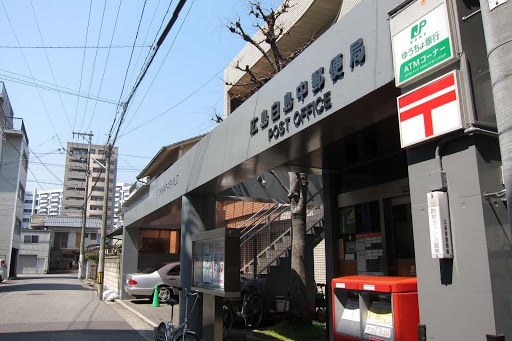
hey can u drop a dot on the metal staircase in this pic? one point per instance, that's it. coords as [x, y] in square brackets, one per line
[265, 238]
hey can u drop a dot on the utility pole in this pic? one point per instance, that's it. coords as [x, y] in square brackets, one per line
[498, 39]
[101, 260]
[84, 207]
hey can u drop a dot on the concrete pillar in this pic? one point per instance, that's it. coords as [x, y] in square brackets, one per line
[198, 214]
[332, 227]
[129, 257]
[464, 298]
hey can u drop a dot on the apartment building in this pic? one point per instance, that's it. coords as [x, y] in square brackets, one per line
[76, 187]
[13, 178]
[48, 202]
[121, 195]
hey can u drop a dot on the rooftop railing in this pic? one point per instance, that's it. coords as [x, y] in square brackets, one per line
[16, 124]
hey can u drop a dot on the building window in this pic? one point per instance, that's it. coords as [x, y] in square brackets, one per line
[93, 236]
[31, 239]
[61, 240]
[21, 192]
[158, 241]
[17, 227]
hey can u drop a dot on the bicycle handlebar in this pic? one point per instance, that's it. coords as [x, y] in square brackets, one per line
[189, 292]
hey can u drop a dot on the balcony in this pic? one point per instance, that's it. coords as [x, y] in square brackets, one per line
[15, 124]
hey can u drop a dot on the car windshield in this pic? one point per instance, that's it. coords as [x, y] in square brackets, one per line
[153, 269]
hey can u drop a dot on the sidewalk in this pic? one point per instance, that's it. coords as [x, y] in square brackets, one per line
[143, 308]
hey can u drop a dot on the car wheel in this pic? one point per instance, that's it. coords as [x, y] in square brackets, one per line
[164, 293]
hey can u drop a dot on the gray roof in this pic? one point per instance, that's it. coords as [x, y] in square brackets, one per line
[64, 221]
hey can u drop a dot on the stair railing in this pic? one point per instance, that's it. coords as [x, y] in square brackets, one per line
[252, 231]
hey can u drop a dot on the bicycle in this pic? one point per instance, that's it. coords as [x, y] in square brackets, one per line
[248, 309]
[166, 331]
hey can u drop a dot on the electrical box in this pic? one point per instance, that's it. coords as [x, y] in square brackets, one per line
[439, 225]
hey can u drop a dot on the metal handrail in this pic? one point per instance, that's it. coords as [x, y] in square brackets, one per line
[266, 224]
[254, 215]
[276, 239]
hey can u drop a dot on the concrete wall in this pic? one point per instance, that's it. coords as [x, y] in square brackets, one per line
[11, 207]
[112, 273]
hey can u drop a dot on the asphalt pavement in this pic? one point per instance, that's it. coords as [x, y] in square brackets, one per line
[60, 307]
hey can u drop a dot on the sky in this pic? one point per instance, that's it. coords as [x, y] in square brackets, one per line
[44, 67]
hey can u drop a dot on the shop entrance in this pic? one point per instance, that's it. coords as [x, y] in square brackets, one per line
[376, 235]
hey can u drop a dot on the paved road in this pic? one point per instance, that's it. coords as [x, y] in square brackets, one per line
[61, 307]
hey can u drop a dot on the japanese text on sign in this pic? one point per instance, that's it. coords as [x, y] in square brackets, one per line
[275, 118]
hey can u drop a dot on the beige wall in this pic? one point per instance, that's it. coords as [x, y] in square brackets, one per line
[111, 273]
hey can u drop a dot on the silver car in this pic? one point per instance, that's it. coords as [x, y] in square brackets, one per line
[164, 276]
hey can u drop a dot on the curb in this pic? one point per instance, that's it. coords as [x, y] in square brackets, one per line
[142, 317]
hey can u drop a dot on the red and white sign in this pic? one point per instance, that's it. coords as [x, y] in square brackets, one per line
[429, 111]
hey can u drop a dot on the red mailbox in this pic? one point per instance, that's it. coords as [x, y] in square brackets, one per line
[375, 308]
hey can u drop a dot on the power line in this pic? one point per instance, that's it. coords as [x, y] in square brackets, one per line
[173, 19]
[48, 60]
[161, 64]
[106, 63]
[94, 64]
[146, 36]
[174, 106]
[75, 47]
[53, 87]
[48, 169]
[30, 72]
[83, 61]
[131, 54]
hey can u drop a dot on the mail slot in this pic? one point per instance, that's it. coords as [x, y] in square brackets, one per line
[375, 308]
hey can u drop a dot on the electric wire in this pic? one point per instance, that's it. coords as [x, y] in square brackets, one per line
[53, 87]
[145, 38]
[160, 40]
[93, 65]
[83, 62]
[30, 71]
[131, 54]
[18, 160]
[75, 47]
[174, 106]
[48, 169]
[48, 60]
[106, 63]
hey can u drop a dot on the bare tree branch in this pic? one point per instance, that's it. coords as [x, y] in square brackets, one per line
[279, 181]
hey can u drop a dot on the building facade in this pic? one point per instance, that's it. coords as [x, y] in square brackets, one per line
[13, 179]
[78, 158]
[28, 209]
[48, 202]
[392, 106]
[121, 195]
[62, 246]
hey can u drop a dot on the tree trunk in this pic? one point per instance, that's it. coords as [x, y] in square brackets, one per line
[301, 307]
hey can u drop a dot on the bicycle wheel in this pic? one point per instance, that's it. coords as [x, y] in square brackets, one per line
[227, 316]
[162, 332]
[253, 312]
[186, 336]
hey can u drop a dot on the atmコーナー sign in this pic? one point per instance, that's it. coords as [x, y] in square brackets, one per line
[420, 44]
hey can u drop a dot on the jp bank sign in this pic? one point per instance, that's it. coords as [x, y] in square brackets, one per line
[306, 100]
